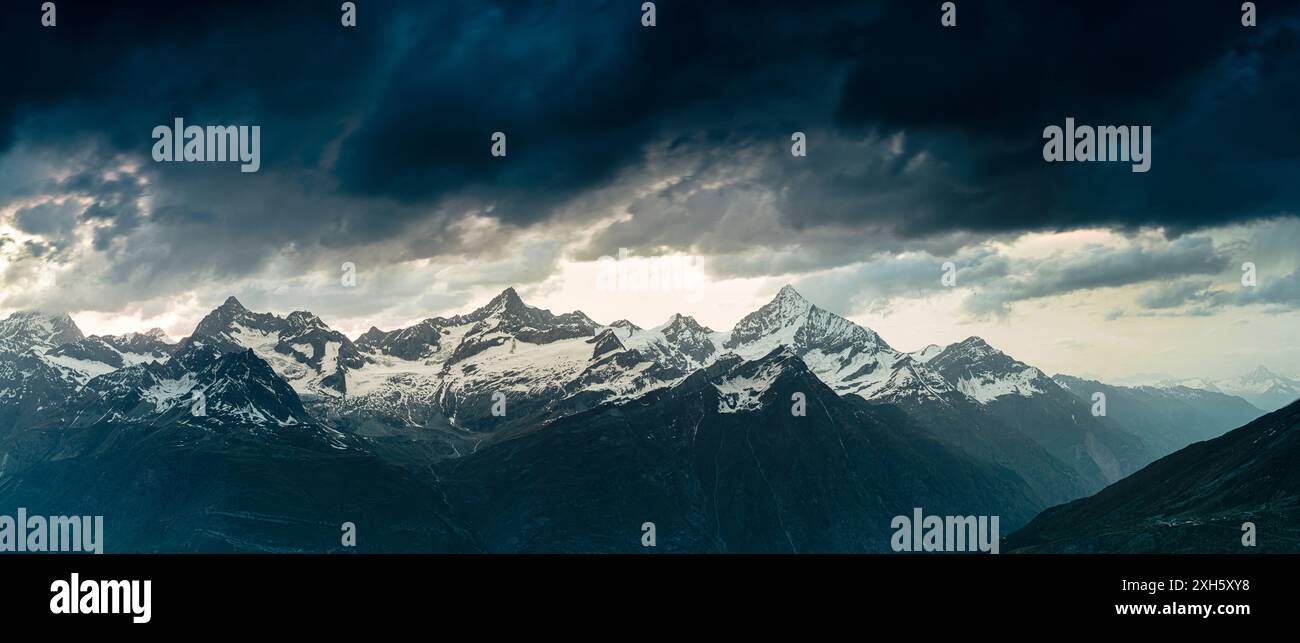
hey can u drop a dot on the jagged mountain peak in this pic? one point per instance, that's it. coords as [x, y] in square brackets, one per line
[789, 299]
[975, 352]
[304, 320]
[743, 385]
[195, 352]
[219, 322]
[679, 323]
[984, 373]
[790, 319]
[625, 325]
[229, 312]
[971, 349]
[605, 343]
[28, 328]
[929, 352]
[974, 341]
[300, 346]
[154, 333]
[788, 292]
[508, 300]
[1261, 372]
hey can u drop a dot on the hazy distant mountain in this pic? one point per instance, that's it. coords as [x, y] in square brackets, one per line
[1194, 500]
[1167, 419]
[1261, 387]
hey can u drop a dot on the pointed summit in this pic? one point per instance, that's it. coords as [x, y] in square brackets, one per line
[788, 292]
[27, 329]
[508, 300]
[679, 323]
[1261, 372]
[792, 320]
[510, 295]
[230, 311]
[158, 334]
[968, 351]
[744, 385]
[625, 325]
[788, 303]
[606, 342]
[302, 320]
[975, 341]
[926, 354]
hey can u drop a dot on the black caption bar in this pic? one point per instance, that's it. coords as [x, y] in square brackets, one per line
[320, 591]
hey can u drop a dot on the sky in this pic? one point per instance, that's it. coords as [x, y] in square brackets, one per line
[649, 171]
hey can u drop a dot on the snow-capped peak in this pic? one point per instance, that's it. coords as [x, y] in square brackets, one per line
[742, 385]
[304, 321]
[506, 302]
[973, 348]
[156, 334]
[32, 329]
[625, 325]
[1261, 372]
[300, 347]
[985, 373]
[926, 354]
[788, 292]
[680, 323]
[1262, 387]
[791, 320]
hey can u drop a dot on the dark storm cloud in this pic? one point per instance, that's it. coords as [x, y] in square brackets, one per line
[379, 134]
[982, 93]
[1281, 293]
[1099, 267]
[47, 218]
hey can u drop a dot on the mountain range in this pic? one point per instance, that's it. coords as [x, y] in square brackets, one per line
[512, 428]
[1261, 387]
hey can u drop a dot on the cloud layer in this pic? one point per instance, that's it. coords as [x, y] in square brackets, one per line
[924, 146]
